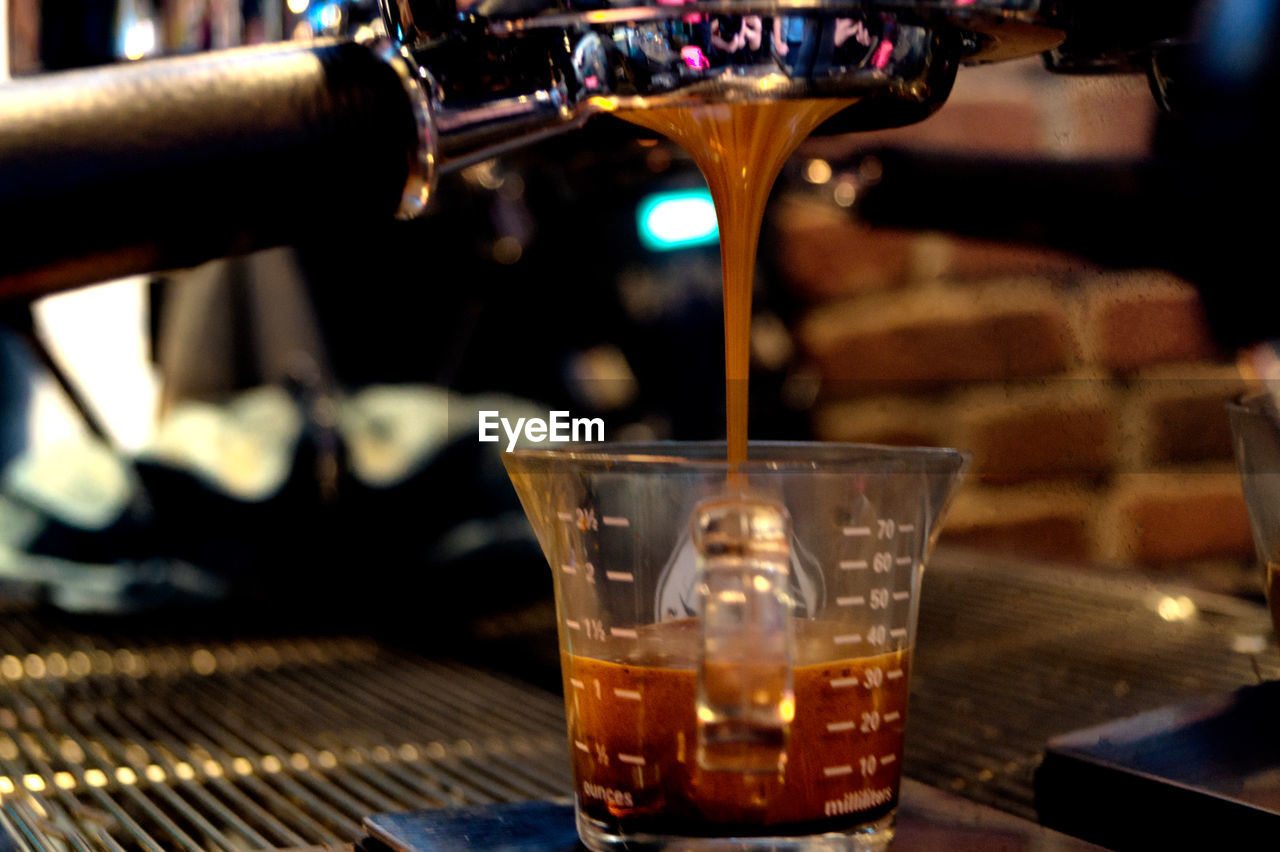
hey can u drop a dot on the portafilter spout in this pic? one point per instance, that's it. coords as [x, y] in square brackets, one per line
[500, 73]
[166, 163]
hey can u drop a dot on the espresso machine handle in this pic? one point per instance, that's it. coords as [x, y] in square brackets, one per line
[161, 164]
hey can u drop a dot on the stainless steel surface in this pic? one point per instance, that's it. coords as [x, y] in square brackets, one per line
[1012, 653]
[422, 168]
[112, 740]
[501, 74]
[930, 819]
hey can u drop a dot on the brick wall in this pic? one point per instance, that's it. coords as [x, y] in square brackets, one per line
[1091, 399]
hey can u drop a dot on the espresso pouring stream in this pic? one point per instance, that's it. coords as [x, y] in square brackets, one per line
[740, 148]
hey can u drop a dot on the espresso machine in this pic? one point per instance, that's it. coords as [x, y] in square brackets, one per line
[445, 88]
[109, 738]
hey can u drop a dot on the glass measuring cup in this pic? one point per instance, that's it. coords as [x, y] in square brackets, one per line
[735, 655]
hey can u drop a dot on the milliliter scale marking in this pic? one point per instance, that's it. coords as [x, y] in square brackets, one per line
[882, 562]
[868, 764]
[885, 532]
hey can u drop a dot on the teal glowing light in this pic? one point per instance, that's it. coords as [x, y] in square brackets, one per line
[675, 220]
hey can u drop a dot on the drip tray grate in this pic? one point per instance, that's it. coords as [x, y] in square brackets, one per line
[1011, 654]
[253, 745]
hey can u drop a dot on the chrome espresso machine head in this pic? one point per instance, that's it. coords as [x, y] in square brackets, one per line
[500, 73]
[261, 146]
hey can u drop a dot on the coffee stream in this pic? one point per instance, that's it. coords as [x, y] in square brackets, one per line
[740, 149]
[631, 721]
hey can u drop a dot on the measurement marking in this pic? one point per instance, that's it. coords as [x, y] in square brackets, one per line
[898, 632]
[633, 759]
[565, 516]
[575, 683]
[841, 682]
[853, 564]
[581, 746]
[901, 596]
[893, 674]
[892, 716]
[834, 771]
[629, 694]
[857, 531]
[568, 569]
[906, 528]
[851, 600]
[848, 638]
[902, 560]
[615, 521]
[837, 727]
[887, 759]
[571, 624]
[620, 576]
[623, 632]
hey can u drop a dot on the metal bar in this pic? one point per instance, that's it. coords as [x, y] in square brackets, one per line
[225, 764]
[280, 806]
[411, 790]
[74, 394]
[216, 731]
[17, 776]
[549, 705]
[396, 693]
[406, 715]
[264, 744]
[169, 796]
[280, 832]
[410, 721]
[131, 733]
[468, 689]
[92, 697]
[20, 816]
[108, 804]
[88, 724]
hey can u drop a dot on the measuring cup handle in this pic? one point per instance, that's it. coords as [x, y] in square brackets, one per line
[745, 698]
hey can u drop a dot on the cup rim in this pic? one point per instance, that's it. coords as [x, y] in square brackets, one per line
[762, 456]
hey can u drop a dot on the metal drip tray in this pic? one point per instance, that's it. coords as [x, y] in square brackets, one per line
[1012, 654]
[170, 741]
[189, 745]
